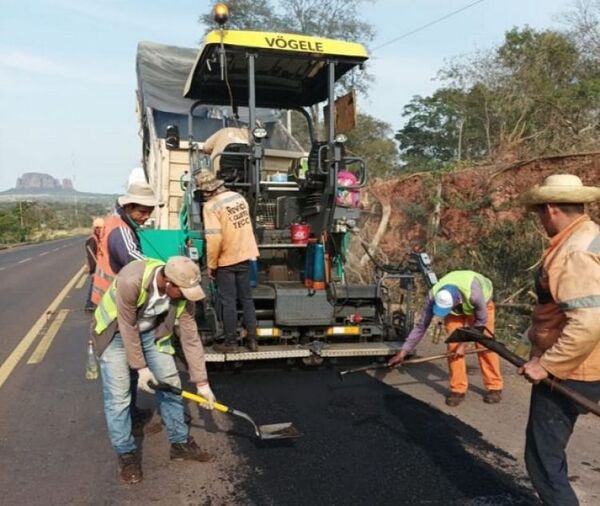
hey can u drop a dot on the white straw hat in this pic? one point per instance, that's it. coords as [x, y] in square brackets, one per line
[560, 189]
[141, 193]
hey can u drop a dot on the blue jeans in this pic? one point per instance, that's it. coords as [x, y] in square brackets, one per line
[117, 395]
[552, 418]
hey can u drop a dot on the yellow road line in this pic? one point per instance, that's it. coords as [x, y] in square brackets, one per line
[44, 345]
[13, 359]
[81, 281]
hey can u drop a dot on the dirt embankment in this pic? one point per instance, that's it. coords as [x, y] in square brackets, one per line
[459, 207]
[467, 218]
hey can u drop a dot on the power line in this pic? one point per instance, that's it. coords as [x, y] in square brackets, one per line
[427, 25]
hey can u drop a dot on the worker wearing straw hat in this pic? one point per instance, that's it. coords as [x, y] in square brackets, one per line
[565, 329]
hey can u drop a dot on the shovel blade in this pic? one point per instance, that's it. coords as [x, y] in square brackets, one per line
[278, 431]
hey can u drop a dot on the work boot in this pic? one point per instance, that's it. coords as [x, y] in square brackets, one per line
[226, 348]
[252, 344]
[130, 469]
[189, 451]
[454, 399]
[492, 396]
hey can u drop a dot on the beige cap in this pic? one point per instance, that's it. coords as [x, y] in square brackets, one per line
[560, 189]
[98, 223]
[207, 181]
[141, 193]
[185, 273]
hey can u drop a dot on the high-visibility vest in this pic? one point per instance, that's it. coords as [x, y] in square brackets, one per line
[104, 274]
[106, 312]
[463, 280]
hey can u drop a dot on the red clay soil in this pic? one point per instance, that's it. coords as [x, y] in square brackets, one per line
[472, 199]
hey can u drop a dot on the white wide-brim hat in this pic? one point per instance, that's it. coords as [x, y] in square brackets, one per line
[560, 189]
[140, 193]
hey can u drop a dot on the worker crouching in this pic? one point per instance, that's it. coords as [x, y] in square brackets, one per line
[462, 299]
[132, 327]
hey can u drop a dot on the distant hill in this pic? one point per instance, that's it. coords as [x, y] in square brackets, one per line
[37, 186]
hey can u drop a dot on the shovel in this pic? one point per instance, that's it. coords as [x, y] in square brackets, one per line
[470, 335]
[265, 432]
[419, 360]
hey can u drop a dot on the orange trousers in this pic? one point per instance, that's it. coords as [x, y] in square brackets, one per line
[489, 362]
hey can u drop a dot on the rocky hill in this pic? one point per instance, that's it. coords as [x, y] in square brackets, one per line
[38, 180]
[37, 186]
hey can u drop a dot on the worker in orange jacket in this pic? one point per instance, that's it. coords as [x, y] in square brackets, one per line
[565, 329]
[230, 245]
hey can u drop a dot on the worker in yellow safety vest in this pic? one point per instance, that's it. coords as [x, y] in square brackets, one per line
[132, 328]
[461, 299]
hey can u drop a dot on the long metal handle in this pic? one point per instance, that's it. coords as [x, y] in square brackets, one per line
[419, 360]
[514, 359]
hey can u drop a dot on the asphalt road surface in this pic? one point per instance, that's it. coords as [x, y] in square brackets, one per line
[363, 441]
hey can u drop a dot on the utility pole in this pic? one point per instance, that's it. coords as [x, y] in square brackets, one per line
[461, 123]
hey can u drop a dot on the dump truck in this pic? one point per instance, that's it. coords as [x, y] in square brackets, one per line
[306, 307]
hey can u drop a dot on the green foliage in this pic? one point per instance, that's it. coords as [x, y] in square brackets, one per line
[504, 253]
[372, 140]
[536, 94]
[509, 249]
[415, 213]
[24, 221]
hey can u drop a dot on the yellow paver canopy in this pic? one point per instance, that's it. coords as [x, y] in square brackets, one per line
[290, 69]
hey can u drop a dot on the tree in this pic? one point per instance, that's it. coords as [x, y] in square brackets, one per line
[430, 136]
[535, 94]
[372, 140]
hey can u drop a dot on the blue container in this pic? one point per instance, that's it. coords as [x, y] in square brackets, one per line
[309, 258]
[319, 266]
[253, 273]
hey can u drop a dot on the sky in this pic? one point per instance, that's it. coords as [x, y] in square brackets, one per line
[67, 71]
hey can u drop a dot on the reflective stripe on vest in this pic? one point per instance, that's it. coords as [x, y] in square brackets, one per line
[104, 274]
[106, 312]
[463, 281]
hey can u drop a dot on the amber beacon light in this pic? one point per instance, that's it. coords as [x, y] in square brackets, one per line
[220, 13]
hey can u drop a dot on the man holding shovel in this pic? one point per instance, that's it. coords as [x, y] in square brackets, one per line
[565, 329]
[132, 328]
[462, 299]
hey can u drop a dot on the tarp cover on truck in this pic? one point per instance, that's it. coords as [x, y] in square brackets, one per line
[162, 72]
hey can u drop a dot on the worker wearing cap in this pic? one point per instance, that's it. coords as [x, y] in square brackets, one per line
[91, 252]
[132, 328]
[120, 245]
[462, 299]
[230, 244]
[565, 329]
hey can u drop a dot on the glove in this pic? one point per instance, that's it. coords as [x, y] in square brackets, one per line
[398, 358]
[205, 391]
[146, 377]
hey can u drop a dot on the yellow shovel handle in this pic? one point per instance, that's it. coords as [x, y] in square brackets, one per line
[201, 400]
